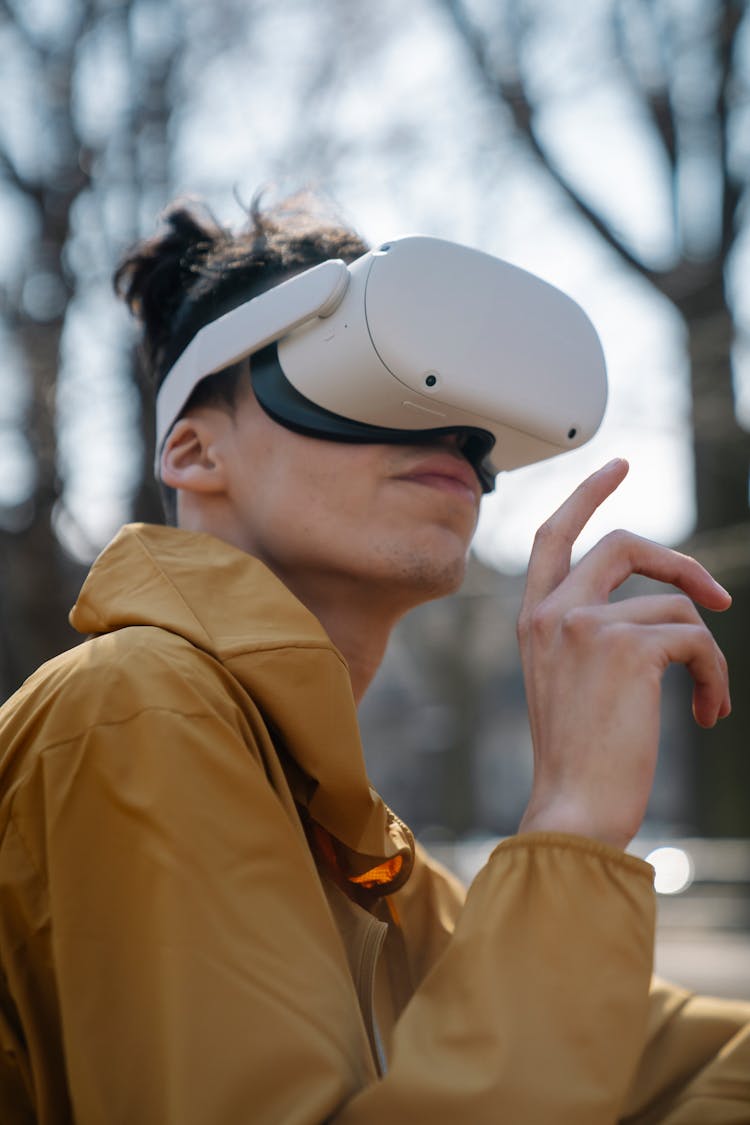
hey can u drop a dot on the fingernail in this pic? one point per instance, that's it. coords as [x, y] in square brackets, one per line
[611, 464]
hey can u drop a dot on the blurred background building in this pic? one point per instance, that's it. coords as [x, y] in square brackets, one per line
[605, 146]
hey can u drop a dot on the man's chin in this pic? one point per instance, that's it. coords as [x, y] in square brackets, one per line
[429, 576]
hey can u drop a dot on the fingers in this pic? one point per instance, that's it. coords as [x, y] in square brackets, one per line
[620, 554]
[614, 558]
[659, 630]
[694, 647]
[550, 556]
[649, 609]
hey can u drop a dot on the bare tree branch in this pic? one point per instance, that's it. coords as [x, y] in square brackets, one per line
[729, 21]
[22, 29]
[656, 97]
[513, 95]
[10, 172]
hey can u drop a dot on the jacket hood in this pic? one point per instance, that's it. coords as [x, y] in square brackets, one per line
[230, 605]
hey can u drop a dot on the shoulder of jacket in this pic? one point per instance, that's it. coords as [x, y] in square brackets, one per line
[133, 654]
[110, 678]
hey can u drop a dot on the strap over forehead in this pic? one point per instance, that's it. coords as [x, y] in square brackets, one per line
[246, 329]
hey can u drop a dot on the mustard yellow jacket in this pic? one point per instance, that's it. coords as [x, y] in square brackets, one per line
[208, 917]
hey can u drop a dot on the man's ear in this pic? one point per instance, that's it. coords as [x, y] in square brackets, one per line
[190, 459]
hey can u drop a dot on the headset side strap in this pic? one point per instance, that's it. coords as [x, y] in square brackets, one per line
[245, 330]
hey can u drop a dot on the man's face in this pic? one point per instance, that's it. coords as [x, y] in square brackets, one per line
[400, 516]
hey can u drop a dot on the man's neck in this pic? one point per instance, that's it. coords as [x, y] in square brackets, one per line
[360, 635]
[357, 623]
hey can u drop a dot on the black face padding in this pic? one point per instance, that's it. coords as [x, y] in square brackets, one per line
[284, 403]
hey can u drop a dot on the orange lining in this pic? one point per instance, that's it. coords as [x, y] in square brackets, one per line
[377, 876]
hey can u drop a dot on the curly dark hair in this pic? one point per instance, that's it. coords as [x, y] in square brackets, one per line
[194, 270]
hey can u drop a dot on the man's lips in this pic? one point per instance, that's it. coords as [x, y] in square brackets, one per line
[446, 473]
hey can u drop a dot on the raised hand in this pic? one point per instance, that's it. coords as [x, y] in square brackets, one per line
[593, 669]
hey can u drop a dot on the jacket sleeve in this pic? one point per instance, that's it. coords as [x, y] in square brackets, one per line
[695, 1068]
[536, 1010]
[695, 1064]
[200, 978]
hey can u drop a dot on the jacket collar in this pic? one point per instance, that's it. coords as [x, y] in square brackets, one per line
[230, 605]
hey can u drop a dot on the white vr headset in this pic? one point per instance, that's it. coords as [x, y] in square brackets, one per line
[416, 338]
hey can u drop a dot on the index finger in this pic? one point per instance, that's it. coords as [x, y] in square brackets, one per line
[549, 562]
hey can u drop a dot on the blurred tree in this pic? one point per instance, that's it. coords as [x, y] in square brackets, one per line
[47, 174]
[89, 85]
[682, 70]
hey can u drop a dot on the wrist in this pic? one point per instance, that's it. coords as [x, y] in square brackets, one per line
[572, 821]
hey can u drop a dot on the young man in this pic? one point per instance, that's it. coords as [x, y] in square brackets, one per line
[208, 916]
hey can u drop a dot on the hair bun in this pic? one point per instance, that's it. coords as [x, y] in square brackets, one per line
[156, 275]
